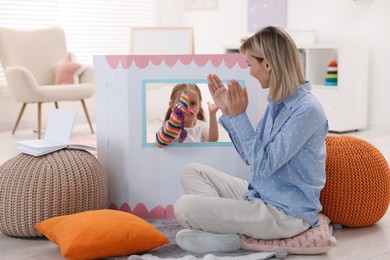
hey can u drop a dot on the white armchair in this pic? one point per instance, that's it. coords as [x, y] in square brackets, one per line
[28, 58]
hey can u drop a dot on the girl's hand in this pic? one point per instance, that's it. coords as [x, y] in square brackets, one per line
[237, 98]
[183, 104]
[218, 92]
[213, 108]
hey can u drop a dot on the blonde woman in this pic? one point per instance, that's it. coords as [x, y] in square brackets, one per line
[286, 155]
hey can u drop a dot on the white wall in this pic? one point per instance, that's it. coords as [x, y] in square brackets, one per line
[213, 29]
[333, 20]
[366, 21]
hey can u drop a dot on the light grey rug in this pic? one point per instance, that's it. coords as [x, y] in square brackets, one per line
[169, 227]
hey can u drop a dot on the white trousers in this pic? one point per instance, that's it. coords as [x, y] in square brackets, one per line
[215, 203]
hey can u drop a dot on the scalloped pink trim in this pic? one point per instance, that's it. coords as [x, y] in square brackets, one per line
[140, 210]
[142, 61]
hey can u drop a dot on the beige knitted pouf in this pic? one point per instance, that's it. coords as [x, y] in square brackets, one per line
[33, 189]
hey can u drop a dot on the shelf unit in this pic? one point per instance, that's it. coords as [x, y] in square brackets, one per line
[345, 105]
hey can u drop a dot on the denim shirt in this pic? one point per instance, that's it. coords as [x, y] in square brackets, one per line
[286, 153]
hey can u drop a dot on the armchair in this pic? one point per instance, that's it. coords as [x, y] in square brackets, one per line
[28, 58]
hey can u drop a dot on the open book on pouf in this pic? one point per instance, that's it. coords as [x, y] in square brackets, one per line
[57, 135]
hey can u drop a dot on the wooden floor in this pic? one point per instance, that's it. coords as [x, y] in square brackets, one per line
[371, 242]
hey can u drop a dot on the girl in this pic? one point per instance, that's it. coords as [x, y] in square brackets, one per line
[185, 119]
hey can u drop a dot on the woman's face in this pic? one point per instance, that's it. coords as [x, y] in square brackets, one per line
[259, 70]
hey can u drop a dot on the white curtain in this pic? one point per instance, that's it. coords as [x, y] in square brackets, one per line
[92, 27]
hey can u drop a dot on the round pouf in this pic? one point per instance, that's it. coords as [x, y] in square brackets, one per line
[357, 189]
[33, 189]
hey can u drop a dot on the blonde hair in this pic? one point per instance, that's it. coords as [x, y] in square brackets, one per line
[275, 45]
[177, 89]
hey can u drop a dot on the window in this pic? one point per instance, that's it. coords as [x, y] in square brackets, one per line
[92, 27]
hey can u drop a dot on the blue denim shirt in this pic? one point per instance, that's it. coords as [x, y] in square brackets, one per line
[286, 153]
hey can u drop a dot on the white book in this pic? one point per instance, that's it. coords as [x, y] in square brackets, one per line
[57, 135]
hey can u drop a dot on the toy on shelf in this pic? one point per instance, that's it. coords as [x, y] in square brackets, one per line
[331, 74]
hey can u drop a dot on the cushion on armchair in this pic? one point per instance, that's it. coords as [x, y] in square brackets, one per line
[68, 71]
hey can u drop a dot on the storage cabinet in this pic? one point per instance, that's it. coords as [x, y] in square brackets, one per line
[345, 105]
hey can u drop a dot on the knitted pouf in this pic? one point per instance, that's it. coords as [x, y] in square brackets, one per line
[357, 189]
[33, 189]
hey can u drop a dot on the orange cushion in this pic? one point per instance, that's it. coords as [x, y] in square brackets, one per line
[101, 233]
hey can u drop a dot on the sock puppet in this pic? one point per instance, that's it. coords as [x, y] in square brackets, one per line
[174, 126]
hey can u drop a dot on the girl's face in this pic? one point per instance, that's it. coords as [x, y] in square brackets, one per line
[259, 70]
[193, 103]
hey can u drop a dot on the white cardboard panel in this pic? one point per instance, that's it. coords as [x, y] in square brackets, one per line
[140, 173]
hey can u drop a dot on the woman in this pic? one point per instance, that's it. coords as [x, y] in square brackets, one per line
[286, 154]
